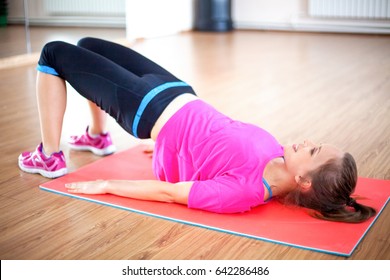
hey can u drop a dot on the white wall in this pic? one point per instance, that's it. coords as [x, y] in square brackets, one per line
[263, 13]
[39, 14]
[294, 15]
[151, 18]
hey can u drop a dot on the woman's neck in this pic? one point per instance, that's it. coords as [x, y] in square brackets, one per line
[277, 177]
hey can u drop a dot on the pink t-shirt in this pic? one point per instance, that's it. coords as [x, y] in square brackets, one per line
[224, 158]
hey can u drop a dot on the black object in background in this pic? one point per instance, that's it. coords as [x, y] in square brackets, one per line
[213, 15]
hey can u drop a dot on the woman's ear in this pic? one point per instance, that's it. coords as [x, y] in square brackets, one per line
[304, 183]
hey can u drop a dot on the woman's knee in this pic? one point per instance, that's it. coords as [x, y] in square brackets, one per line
[87, 42]
[52, 46]
[49, 52]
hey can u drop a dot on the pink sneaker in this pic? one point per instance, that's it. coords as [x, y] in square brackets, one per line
[100, 145]
[36, 162]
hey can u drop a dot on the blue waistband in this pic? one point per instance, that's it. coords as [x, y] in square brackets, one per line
[148, 97]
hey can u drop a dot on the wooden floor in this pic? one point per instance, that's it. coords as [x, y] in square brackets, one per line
[326, 87]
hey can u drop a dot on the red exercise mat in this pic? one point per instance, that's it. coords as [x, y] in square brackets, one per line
[272, 222]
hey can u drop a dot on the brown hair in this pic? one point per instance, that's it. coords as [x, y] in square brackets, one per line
[330, 194]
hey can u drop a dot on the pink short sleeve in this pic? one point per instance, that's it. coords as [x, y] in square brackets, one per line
[224, 194]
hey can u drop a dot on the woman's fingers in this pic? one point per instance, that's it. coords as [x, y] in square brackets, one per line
[73, 187]
[92, 187]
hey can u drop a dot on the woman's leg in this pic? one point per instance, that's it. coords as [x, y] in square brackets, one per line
[93, 76]
[98, 119]
[47, 160]
[51, 98]
[100, 80]
[114, 87]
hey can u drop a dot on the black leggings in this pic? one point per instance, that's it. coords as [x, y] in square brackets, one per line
[131, 88]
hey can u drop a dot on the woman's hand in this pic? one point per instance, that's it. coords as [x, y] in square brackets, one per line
[90, 187]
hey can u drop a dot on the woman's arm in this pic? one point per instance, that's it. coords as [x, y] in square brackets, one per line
[139, 189]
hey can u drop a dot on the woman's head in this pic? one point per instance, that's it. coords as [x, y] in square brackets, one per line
[325, 178]
[302, 159]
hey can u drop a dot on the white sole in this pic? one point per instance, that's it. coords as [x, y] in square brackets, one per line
[44, 173]
[100, 152]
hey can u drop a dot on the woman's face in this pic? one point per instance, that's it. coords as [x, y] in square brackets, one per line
[303, 158]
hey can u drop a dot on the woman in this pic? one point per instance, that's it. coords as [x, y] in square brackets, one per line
[202, 158]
